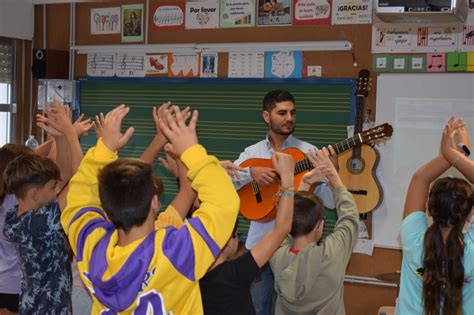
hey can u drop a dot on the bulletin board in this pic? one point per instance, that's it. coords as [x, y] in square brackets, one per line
[230, 114]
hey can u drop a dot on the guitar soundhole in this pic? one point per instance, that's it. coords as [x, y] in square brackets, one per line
[355, 166]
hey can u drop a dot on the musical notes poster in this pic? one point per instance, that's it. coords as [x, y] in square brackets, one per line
[101, 65]
[130, 65]
[388, 38]
[167, 17]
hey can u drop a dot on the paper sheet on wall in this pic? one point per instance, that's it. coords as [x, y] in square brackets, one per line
[364, 246]
[156, 64]
[352, 11]
[183, 65]
[311, 12]
[105, 21]
[209, 65]
[283, 64]
[237, 13]
[130, 65]
[202, 14]
[246, 65]
[101, 65]
[387, 38]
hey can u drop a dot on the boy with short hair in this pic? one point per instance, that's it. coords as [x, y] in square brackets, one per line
[34, 226]
[309, 276]
[127, 264]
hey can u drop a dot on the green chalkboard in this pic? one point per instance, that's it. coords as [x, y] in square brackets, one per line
[230, 113]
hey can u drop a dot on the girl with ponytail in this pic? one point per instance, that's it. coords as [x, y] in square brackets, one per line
[437, 275]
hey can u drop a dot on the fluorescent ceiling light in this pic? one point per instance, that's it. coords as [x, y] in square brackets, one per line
[221, 47]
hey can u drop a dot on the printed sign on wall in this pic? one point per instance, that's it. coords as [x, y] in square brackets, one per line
[105, 21]
[202, 14]
[352, 11]
[168, 17]
[307, 12]
[237, 13]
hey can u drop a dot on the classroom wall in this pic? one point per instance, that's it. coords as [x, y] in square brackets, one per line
[359, 299]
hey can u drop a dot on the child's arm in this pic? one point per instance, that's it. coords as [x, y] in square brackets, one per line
[212, 224]
[185, 197]
[265, 248]
[344, 236]
[176, 212]
[83, 203]
[159, 140]
[68, 142]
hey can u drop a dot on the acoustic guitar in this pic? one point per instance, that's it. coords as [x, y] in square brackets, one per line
[257, 202]
[357, 166]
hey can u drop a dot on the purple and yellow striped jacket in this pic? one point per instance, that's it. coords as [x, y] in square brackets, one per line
[161, 271]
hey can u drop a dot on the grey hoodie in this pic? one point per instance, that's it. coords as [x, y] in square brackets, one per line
[312, 281]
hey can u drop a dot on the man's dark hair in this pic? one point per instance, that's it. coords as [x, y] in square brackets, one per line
[28, 171]
[126, 188]
[308, 212]
[274, 97]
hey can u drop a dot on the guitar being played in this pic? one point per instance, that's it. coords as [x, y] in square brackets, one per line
[257, 200]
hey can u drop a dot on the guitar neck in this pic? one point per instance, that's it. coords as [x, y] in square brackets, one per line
[349, 143]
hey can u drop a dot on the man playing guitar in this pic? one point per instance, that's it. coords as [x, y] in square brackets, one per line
[279, 113]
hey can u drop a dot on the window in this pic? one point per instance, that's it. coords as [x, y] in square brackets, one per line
[6, 89]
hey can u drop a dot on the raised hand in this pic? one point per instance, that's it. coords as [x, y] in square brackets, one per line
[99, 121]
[81, 127]
[111, 134]
[325, 166]
[181, 135]
[57, 121]
[231, 169]
[314, 175]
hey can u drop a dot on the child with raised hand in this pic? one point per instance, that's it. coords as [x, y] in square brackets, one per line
[226, 287]
[438, 260]
[127, 264]
[309, 273]
[33, 225]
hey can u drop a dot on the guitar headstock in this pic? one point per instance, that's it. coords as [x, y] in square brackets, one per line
[363, 83]
[376, 134]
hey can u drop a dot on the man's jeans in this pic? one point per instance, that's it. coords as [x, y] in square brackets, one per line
[262, 292]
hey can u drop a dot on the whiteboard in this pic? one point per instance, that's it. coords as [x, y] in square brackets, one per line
[417, 106]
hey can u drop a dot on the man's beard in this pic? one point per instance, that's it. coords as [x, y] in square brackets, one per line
[280, 131]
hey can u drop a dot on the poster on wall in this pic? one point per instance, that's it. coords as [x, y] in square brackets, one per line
[437, 36]
[130, 65]
[105, 21]
[156, 64]
[101, 65]
[167, 17]
[283, 64]
[209, 65]
[237, 13]
[274, 12]
[352, 11]
[246, 65]
[132, 23]
[311, 12]
[202, 14]
[183, 65]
